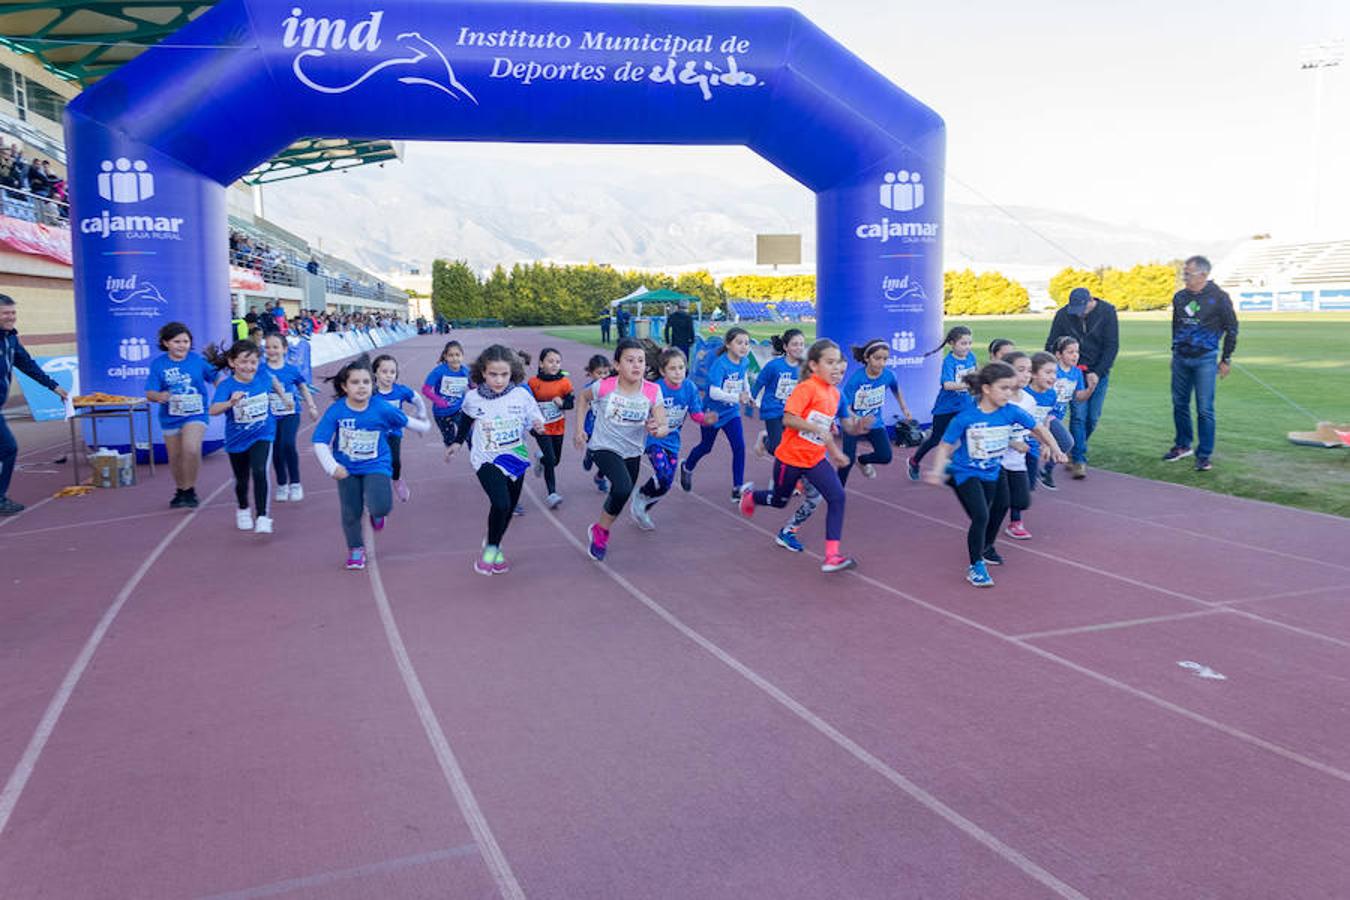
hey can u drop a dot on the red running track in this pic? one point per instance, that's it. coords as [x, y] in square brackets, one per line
[188, 711]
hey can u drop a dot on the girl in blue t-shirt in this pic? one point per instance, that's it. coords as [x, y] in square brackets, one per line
[1042, 391]
[445, 386]
[974, 443]
[285, 454]
[1070, 387]
[726, 393]
[387, 388]
[952, 395]
[681, 400]
[351, 442]
[178, 381]
[862, 397]
[774, 384]
[245, 398]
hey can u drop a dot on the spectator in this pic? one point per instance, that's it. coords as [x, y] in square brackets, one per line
[14, 356]
[1094, 324]
[679, 330]
[606, 320]
[1202, 318]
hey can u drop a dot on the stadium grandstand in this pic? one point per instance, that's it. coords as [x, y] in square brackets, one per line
[52, 50]
[771, 311]
[1264, 275]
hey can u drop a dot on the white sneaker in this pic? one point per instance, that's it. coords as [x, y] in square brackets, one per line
[264, 525]
[737, 493]
[553, 500]
[243, 519]
[297, 492]
[283, 493]
[637, 509]
[868, 470]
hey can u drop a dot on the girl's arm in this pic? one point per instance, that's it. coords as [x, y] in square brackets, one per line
[436, 399]
[330, 465]
[1080, 395]
[419, 424]
[659, 426]
[837, 456]
[1047, 440]
[940, 460]
[220, 406]
[419, 405]
[157, 396]
[900, 398]
[721, 396]
[583, 407]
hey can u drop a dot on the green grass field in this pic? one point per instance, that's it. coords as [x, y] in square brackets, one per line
[1303, 357]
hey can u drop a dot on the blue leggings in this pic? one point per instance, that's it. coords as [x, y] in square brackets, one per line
[285, 455]
[9, 456]
[880, 455]
[732, 429]
[823, 477]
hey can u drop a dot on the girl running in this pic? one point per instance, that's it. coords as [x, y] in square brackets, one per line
[681, 400]
[974, 443]
[864, 397]
[497, 413]
[726, 394]
[807, 442]
[285, 454]
[244, 397]
[1070, 387]
[952, 396]
[1042, 391]
[1015, 458]
[628, 408]
[388, 389]
[597, 369]
[775, 384]
[554, 392]
[445, 386]
[352, 444]
[177, 382]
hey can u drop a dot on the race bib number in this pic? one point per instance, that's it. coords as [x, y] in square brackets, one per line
[453, 385]
[251, 410]
[787, 383]
[358, 444]
[503, 434]
[282, 406]
[986, 442]
[675, 416]
[186, 404]
[868, 400]
[734, 384]
[549, 410]
[1064, 390]
[1041, 413]
[1017, 435]
[816, 418]
[627, 411]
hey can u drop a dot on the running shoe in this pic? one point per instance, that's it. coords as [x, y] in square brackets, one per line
[483, 565]
[1017, 531]
[599, 541]
[377, 523]
[519, 510]
[356, 558]
[1176, 453]
[637, 510]
[1078, 470]
[837, 563]
[401, 490]
[602, 484]
[747, 503]
[978, 575]
[868, 470]
[297, 492]
[1048, 479]
[499, 564]
[788, 541]
[553, 500]
[686, 479]
[263, 525]
[993, 557]
[1202, 464]
[587, 460]
[283, 494]
[10, 507]
[190, 498]
[179, 499]
[738, 492]
[243, 520]
[913, 468]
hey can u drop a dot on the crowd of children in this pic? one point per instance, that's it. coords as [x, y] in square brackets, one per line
[998, 430]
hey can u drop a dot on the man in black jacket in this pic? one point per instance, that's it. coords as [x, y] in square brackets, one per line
[1094, 324]
[1202, 318]
[14, 356]
[680, 329]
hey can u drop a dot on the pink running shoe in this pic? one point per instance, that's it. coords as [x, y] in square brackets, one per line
[377, 522]
[599, 541]
[748, 504]
[499, 565]
[356, 558]
[1017, 531]
[482, 566]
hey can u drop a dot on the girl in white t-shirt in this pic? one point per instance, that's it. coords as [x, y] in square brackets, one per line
[628, 408]
[498, 411]
[1015, 457]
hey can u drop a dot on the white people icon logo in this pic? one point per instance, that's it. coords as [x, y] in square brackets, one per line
[902, 191]
[124, 181]
[133, 349]
[904, 342]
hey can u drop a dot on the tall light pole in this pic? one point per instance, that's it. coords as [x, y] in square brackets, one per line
[1319, 57]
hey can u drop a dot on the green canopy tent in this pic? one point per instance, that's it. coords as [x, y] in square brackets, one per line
[640, 297]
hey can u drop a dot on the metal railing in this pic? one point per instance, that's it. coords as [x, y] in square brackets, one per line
[20, 204]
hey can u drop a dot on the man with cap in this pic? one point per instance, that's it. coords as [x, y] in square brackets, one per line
[679, 330]
[1094, 324]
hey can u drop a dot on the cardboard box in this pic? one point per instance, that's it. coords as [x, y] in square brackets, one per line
[113, 469]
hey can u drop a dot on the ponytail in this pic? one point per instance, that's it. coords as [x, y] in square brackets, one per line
[861, 353]
[955, 334]
[780, 342]
[976, 379]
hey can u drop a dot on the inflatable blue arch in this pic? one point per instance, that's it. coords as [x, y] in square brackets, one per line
[154, 145]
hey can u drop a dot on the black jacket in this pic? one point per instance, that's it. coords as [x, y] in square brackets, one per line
[1200, 320]
[680, 328]
[14, 356]
[1098, 335]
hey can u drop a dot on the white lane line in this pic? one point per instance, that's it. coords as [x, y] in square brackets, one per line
[18, 779]
[1109, 626]
[1239, 734]
[1283, 595]
[325, 878]
[87, 522]
[923, 797]
[496, 861]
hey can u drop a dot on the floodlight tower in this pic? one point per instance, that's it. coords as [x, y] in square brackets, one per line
[1318, 58]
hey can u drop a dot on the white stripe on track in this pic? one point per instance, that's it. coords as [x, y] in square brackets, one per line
[1008, 854]
[459, 785]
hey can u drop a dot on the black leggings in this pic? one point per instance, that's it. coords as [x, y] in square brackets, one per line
[503, 493]
[550, 451]
[773, 434]
[622, 474]
[285, 455]
[1019, 492]
[981, 499]
[940, 423]
[251, 463]
[450, 427]
[396, 454]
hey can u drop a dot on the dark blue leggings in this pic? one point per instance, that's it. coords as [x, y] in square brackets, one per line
[732, 429]
[9, 456]
[285, 456]
[880, 455]
[822, 477]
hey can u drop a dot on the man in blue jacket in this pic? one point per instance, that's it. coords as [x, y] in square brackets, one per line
[1204, 336]
[12, 357]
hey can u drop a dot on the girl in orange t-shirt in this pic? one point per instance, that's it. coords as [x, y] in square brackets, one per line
[554, 393]
[808, 449]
